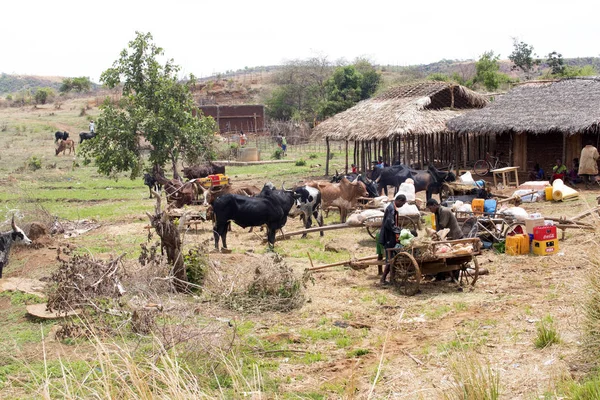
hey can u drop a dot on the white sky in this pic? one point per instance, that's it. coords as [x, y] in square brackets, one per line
[74, 38]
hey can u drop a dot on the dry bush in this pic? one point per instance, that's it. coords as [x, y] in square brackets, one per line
[473, 380]
[270, 285]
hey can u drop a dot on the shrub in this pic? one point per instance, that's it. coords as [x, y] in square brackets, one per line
[546, 333]
[277, 154]
[195, 266]
[34, 163]
[312, 156]
[300, 163]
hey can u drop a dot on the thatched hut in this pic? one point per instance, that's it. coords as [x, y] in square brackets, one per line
[538, 122]
[406, 124]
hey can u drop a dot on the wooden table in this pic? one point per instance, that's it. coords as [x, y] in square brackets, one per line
[506, 176]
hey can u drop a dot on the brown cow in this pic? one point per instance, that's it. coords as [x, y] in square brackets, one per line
[343, 195]
[64, 145]
[244, 190]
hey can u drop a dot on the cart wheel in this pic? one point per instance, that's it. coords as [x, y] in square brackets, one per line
[405, 222]
[406, 274]
[468, 274]
[481, 167]
[515, 228]
[445, 192]
[373, 230]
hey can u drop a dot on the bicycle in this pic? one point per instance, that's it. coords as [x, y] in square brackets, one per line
[483, 167]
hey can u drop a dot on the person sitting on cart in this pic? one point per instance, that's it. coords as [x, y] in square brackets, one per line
[389, 230]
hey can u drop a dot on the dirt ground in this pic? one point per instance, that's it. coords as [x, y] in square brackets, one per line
[410, 340]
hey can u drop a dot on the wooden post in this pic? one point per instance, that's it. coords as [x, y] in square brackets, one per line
[346, 169]
[327, 157]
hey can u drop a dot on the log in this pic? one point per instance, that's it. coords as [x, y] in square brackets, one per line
[317, 229]
[519, 196]
[585, 213]
[341, 263]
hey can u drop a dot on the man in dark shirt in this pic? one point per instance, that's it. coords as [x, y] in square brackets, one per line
[387, 235]
[445, 218]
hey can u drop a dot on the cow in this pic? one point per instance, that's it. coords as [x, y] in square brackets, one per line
[242, 190]
[338, 177]
[429, 180]
[307, 205]
[7, 239]
[271, 208]
[85, 136]
[58, 135]
[202, 171]
[64, 145]
[343, 195]
[369, 184]
[152, 183]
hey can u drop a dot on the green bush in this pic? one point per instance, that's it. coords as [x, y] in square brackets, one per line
[312, 156]
[300, 163]
[277, 154]
[195, 266]
[34, 163]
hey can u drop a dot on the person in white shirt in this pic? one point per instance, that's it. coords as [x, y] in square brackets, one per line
[92, 127]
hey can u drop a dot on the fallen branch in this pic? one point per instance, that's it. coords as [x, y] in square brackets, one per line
[415, 359]
[341, 263]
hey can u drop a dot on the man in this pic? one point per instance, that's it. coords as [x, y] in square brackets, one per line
[588, 163]
[284, 145]
[92, 127]
[389, 229]
[558, 171]
[445, 218]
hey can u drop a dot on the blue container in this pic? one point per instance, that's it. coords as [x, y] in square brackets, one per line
[489, 206]
[480, 183]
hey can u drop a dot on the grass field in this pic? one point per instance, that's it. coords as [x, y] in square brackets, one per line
[351, 338]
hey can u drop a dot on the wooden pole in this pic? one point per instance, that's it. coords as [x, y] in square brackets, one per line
[327, 157]
[346, 168]
[341, 263]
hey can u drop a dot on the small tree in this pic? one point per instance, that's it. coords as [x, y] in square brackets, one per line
[43, 95]
[486, 70]
[155, 104]
[556, 63]
[81, 84]
[523, 58]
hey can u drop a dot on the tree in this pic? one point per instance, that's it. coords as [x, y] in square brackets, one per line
[81, 84]
[486, 70]
[43, 95]
[343, 90]
[371, 79]
[556, 63]
[154, 104]
[522, 58]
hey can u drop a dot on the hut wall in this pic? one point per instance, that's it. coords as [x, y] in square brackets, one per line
[543, 149]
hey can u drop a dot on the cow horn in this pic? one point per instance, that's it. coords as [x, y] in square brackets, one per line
[377, 180]
[13, 223]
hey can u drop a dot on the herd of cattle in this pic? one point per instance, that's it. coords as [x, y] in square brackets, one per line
[250, 206]
[64, 143]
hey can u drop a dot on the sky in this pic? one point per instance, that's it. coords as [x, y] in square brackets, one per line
[72, 38]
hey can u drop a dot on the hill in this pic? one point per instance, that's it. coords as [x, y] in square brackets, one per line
[16, 83]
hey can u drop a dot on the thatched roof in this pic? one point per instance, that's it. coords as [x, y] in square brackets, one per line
[419, 109]
[568, 106]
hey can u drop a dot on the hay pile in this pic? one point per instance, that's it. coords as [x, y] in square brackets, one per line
[261, 283]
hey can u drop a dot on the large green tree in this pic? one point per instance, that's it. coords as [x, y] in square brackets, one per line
[343, 90]
[155, 104]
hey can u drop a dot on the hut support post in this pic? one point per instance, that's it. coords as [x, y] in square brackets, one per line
[346, 145]
[564, 149]
[327, 157]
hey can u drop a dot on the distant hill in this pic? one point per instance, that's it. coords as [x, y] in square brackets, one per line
[16, 83]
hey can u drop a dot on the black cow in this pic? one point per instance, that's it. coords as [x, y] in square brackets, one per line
[58, 135]
[337, 178]
[7, 239]
[429, 180]
[202, 171]
[85, 136]
[371, 185]
[152, 183]
[270, 208]
[307, 206]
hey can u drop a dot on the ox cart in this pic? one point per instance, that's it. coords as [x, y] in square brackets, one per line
[409, 265]
[410, 222]
[462, 191]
